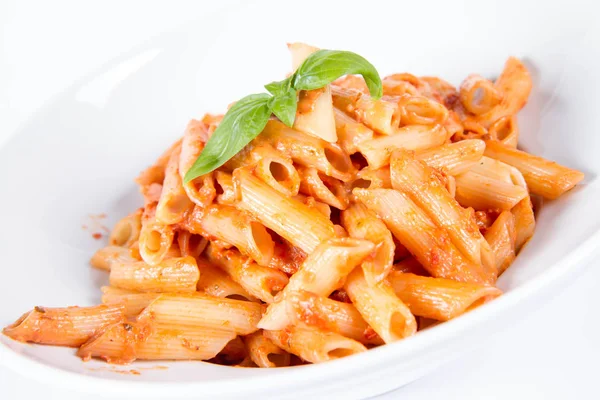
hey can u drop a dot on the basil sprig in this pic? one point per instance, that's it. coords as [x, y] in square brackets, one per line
[248, 116]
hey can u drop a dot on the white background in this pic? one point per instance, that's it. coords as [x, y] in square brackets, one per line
[45, 46]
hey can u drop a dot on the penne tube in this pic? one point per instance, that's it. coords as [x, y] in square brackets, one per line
[264, 353]
[322, 272]
[485, 193]
[421, 184]
[414, 137]
[190, 244]
[173, 202]
[307, 150]
[380, 307]
[350, 132]
[123, 343]
[303, 226]
[498, 170]
[515, 85]
[237, 228]
[419, 110]
[544, 178]
[225, 189]
[429, 244]
[310, 201]
[380, 115]
[330, 315]
[201, 191]
[506, 131]
[70, 326]
[314, 345]
[132, 301]
[260, 281]
[438, 298]
[356, 82]
[502, 236]
[279, 173]
[155, 241]
[106, 257]
[323, 188]
[524, 222]
[369, 178]
[453, 158]
[171, 275]
[155, 174]
[314, 114]
[127, 230]
[362, 223]
[203, 311]
[478, 95]
[394, 85]
[215, 282]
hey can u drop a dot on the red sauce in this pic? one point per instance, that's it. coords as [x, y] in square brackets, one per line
[97, 236]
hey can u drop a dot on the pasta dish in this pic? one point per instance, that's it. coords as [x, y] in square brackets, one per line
[341, 213]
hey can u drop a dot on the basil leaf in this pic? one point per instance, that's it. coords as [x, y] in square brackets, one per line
[284, 106]
[242, 123]
[324, 66]
[281, 87]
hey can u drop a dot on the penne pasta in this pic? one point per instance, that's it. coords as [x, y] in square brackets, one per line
[421, 184]
[216, 282]
[322, 272]
[123, 343]
[544, 178]
[127, 230]
[259, 281]
[132, 301]
[237, 228]
[498, 170]
[382, 116]
[478, 95]
[314, 345]
[419, 110]
[350, 132]
[226, 193]
[264, 353]
[190, 244]
[173, 201]
[203, 311]
[454, 158]
[330, 315]
[506, 131]
[485, 193]
[178, 274]
[524, 222]
[380, 307]
[155, 174]
[502, 237]
[70, 326]
[323, 188]
[437, 298]
[106, 257]
[515, 85]
[309, 151]
[301, 225]
[364, 224]
[311, 202]
[429, 244]
[201, 191]
[278, 172]
[413, 137]
[155, 241]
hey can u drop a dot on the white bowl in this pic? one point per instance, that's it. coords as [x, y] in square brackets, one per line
[78, 156]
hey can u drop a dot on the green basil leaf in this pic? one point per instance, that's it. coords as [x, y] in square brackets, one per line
[284, 106]
[324, 66]
[242, 123]
[281, 87]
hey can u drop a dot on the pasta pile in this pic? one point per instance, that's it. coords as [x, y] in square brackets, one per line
[366, 222]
